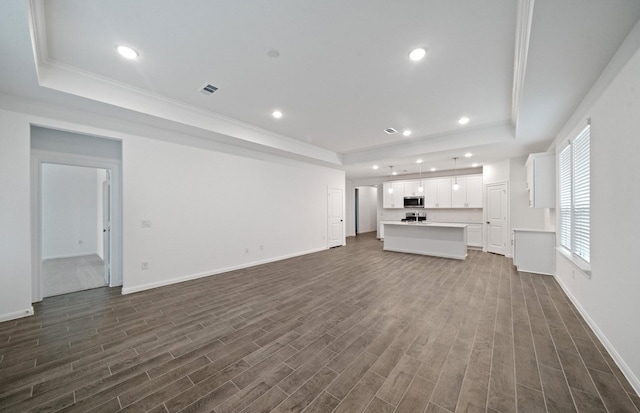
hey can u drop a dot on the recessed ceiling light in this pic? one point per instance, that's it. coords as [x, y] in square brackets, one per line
[419, 161]
[473, 165]
[417, 54]
[127, 52]
[406, 132]
[468, 155]
[433, 169]
[375, 166]
[394, 173]
[276, 114]
[463, 120]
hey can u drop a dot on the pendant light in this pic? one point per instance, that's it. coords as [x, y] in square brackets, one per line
[420, 188]
[391, 183]
[455, 172]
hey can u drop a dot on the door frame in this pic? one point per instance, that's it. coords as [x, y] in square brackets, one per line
[342, 192]
[485, 211]
[39, 157]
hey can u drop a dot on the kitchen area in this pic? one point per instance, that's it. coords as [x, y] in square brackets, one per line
[436, 216]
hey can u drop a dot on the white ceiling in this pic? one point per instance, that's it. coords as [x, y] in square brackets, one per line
[342, 75]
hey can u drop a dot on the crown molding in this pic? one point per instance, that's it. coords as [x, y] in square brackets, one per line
[72, 80]
[523, 34]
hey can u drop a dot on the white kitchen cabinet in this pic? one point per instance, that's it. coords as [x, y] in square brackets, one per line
[474, 191]
[394, 199]
[411, 188]
[437, 193]
[469, 193]
[541, 180]
[474, 235]
[430, 193]
[534, 250]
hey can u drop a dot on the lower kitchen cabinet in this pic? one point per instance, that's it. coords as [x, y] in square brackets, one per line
[474, 235]
[534, 251]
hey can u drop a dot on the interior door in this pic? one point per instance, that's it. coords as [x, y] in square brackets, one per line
[106, 226]
[336, 219]
[497, 218]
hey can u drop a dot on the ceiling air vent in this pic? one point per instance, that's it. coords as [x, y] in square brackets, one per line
[208, 89]
[390, 131]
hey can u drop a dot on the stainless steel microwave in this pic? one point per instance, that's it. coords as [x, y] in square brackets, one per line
[414, 202]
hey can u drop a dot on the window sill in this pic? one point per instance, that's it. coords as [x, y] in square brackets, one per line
[584, 267]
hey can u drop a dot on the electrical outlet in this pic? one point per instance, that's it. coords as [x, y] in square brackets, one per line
[79, 242]
[246, 250]
[144, 265]
[261, 247]
[145, 223]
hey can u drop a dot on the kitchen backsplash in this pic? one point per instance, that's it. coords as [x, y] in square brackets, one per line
[441, 215]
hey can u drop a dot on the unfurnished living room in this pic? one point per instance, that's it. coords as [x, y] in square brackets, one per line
[336, 206]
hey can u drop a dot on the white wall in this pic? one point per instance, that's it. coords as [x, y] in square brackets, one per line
[367, 208]
[69, 211]
[206, 206]
[609, 299]
[15, 218]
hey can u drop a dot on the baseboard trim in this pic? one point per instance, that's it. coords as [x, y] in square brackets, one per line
[55, 257]
[631, 377]
[149, 286]
[16, 314]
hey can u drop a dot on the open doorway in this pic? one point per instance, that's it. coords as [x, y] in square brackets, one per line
[75, 228]
[366, 209]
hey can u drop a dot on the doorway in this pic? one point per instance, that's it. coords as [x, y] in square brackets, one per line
[336, 218]
[497, 217]
[98, 238]
[357, 205]
[75, 218]
[366, 209]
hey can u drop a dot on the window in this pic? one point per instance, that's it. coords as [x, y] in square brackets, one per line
[575, 196]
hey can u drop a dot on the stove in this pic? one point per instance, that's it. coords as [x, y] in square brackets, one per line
[415, 217]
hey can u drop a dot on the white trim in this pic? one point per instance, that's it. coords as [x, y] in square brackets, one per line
[626, 371]
[430, 254]
[583, 266]
[523, 34]
[16, 314]
[55, 257]
[143, 287]
[38, 157]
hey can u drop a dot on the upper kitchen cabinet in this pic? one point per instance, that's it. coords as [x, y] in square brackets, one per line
[411, 188]
[541, 180]
[394, 199]
[469, 193]
[437, 193]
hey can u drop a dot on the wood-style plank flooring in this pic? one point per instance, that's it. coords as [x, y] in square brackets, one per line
[350, 329]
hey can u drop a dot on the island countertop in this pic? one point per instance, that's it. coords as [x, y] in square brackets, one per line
[427, 224]
[439, 239]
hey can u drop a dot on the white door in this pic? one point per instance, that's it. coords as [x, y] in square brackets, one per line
[336, 224]
[497, 218]
[106, 226]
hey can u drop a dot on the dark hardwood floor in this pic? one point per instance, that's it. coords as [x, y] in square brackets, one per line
[349, 329]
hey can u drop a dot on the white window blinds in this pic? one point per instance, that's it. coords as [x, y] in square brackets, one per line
[565, 197]
[581, 194]
[575, 195]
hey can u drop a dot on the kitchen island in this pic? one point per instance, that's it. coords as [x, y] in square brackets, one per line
[446, 240]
